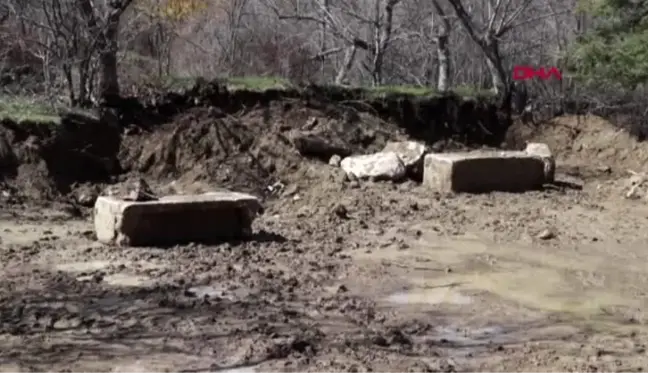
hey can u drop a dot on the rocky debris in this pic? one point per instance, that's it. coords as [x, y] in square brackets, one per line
[317, 146]
[341, 211]
[86, 195]
[483, 171]
[275, 187]
[635, 185]
[134, 189]
[546, 234]
[140, 191]
[377, 166]
[311, 123]
[411, 154]
[542, 150]
[172, 220]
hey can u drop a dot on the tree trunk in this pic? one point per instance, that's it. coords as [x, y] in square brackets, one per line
[499, 78]
[108, 75]
[348, 63]
[443, 55]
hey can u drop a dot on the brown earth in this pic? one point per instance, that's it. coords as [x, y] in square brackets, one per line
[397, 279]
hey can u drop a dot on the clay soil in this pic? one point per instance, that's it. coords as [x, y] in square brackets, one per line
[340, 275]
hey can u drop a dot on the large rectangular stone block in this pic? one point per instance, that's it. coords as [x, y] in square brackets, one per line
[483, 171]
[203, 218]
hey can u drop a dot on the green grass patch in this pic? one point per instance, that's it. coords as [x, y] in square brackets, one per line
[406, 90]
[257, 83]
[173, 83]
[237, 83]
[423, 92]
[466, 91]
[264, 83]
[23, 109]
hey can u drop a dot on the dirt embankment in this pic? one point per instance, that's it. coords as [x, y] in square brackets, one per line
[237, 139]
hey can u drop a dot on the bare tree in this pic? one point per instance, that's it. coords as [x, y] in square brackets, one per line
[353, 29]
[76, 38]
[103, 23]
[439, 43]
[502, 16]
[441, 27]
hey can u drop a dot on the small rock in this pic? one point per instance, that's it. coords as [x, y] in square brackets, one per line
[605, 169]
[340, 211]
[311, 123]
[275, 187]
[290, 191]
[87, 198]
[546, 234]
[140, 191]
[335, 160]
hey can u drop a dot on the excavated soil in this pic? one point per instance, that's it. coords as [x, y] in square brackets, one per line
[340, 275]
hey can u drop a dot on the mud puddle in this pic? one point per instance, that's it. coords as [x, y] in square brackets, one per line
[584, 281]
[73, 267]
[120, 278]
[428, 296]
[26, 232]
[215, 292]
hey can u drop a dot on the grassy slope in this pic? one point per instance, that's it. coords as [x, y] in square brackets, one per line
[23, 109]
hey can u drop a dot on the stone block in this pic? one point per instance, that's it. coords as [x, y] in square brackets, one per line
[483, 171]
[203, 218]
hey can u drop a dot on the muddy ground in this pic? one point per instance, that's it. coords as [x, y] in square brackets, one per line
[406, 280]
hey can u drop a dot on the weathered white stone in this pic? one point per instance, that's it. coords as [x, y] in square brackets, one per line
[411, 154]
[478, 172]
[205, 218]
[542, 150]
[380, 166]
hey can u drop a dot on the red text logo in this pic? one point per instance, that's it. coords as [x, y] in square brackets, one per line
[529, 72]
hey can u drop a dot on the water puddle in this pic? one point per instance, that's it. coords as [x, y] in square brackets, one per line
[94, 265]
[216, 292]
[127, 280]
[472, 337]
[429, 296]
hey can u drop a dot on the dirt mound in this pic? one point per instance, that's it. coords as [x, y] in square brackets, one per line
[252, 150]
[476, 121]
[587, 141]
[234, 139]
[40, 161]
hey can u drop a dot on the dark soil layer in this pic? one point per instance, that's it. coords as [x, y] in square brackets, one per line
[238, 139]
